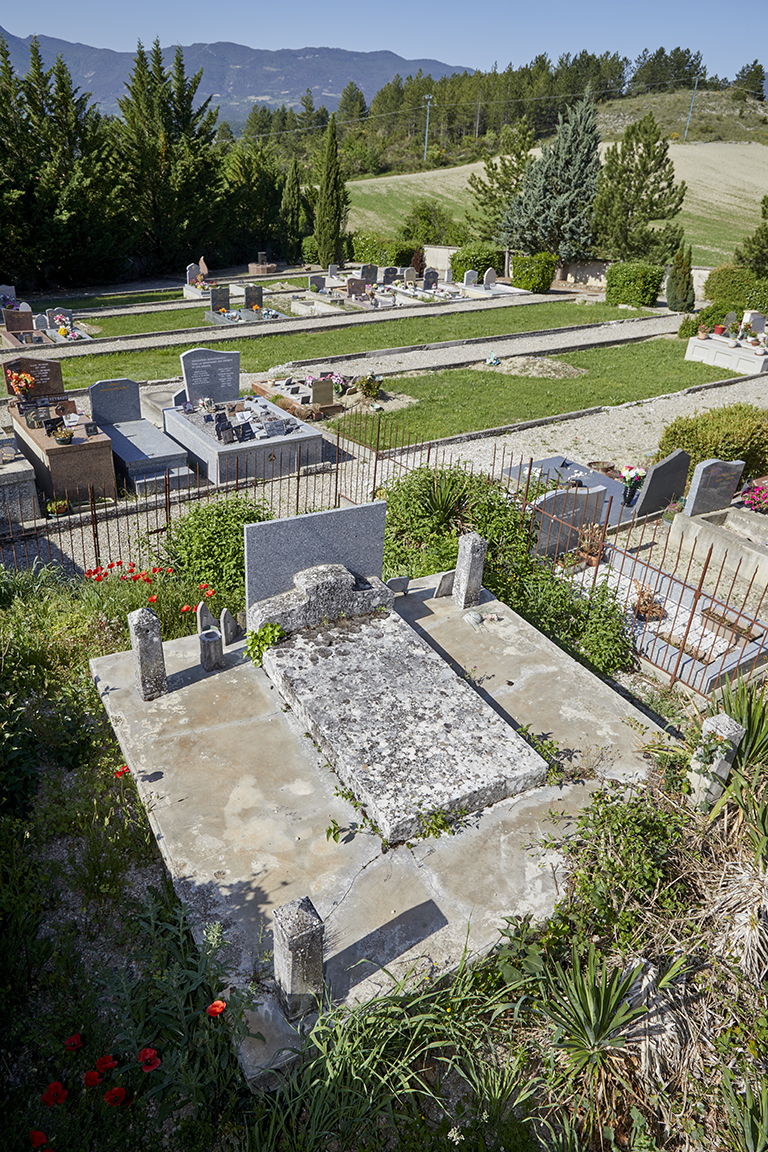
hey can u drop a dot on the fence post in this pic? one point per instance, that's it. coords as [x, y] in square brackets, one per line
[376, 455]
[696, 596]
[298, 475]
[94, 525]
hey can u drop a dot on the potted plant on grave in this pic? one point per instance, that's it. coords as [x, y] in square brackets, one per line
[719, 329]
[591, 544]
[63, 435]
[756, 498]
[703, 331]
[57, 507]
[646, 606]
[672, 510]
[733, 332]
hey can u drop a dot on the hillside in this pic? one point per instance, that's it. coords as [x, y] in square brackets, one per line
[234, 75]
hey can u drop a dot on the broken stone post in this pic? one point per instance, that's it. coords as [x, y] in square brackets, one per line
[205, 618]
[229, 627]
[148, 658]
[711, 763]
[211, 649]
[298, 945]
[469, 570]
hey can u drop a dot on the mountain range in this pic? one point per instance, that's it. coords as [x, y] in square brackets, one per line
[234, 75]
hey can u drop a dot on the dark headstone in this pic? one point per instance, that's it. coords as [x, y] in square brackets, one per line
[275, 427]
[18, 321]
[220, 298]
[369, 273]
[355, 287]
[210, 373]
[390, 275]
[254, 296]
[430, 278]
[115, 401]
[46, 375]
[664, 483]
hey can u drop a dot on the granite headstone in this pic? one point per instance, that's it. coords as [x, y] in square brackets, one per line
[254, 296]
[664, 482]
[430, 278]
[115, 401]
[470, 278]
[210, 373]
[489, 280]
[315, 281]
[562, 515]
[713, 486]
[369, 273]
[18, 321]
[46, 376]
[220, 298]
[193, 271]
[355, 287]
[389, 275]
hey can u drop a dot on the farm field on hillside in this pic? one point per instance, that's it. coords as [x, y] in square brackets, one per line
[725, 185]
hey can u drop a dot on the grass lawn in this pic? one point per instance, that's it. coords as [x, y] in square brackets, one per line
[264, 352]
[162, 296]
[193, 317]
[467, 400]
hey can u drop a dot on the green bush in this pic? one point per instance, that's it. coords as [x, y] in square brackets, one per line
[731, 283]
[534, 273]
[711, 315]
[207, 544]
[737, 432]
[633, 283]
[680, 292]
[479, 256]
[370, 248]
[757, 297]
[309, 253]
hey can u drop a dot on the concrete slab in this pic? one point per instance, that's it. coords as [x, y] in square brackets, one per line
[240, 799]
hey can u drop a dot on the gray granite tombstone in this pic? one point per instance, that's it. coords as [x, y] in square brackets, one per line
[229, 627]
[369, 273]
[7, 293]
[713, 486]
[489, 280]
[664, 482]
[25, 306]
[315, 281]
[148, 657]
[41, 322]
[470, 278]
[563, 515]
[333, 270]
[220, 298]
[276, 550]
[756, 321]
[409, 276]
[430, 278]
[389, 275]
[254, 296]
[210, 373]
[193, 271]
[449, 275]
[115, 401]
[211, 649]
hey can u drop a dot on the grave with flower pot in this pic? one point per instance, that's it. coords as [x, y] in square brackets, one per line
[20, 330]
[741, 345]
[61, 327]
[39, 408]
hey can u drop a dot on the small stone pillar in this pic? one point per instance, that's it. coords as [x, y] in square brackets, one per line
[205, 618]
[211, 649]
[711, 763]
[229, 627]
[148, 658]
[469, 570]
[298, 948]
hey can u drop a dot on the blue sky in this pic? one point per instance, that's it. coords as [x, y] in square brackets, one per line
[471, 33]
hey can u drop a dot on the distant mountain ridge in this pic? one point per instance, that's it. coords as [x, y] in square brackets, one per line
[234, 75]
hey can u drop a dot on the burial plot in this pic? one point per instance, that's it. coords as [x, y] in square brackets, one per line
[20, 329]
[143, 454]
[570, 473]
[210, 373]
[664, 483]
[315, 281]
[63, 471]
[713, 486]
[430, 279]
[562, 515]
[389, 275]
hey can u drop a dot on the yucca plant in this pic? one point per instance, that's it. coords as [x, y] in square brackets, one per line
[747, 1124]
[746, 703]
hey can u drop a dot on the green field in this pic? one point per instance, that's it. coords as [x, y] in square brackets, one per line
[264, 352]
[93, 300]
[468, 400]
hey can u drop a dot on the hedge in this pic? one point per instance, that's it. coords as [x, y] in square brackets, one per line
[633, 283]
[736, 432]
[534, 273]
[731, 283]
[370, 248]
[478, 256]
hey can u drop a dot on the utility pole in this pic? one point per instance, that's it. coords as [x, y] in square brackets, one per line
[426, 130]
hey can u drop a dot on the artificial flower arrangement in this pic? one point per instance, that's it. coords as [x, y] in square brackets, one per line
[66, 328]
[631, 477]
[21, 382]
[756, 498]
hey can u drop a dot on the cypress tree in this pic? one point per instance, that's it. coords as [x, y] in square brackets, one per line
[291, 212]
[637, 187]
[680, 294]
[332, 199]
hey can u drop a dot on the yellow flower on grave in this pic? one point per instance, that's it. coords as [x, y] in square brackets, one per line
[62, 331]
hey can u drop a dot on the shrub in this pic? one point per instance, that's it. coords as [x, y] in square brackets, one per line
[737, 432]
[757, 297]
[207, 543]
[370, 248]
[479, 256]
[534, 273]
[728, 282]
[633, 283]
[711, 315]
[309, 250]
[680, 293]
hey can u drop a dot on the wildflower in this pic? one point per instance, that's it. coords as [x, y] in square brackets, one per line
[55, 1093]
[201, 586]
[37, 1137]
[169, 571]
[91, 1079]
[210, 593]
[72, 1043]
[118, 563]
[156, 570]
[186, 608]
[106, 1063]
[121, 772]
[216, 1008]
[152, 599]
[111, 564]
[455, 1136]
[114, 1097]
[149, 1059]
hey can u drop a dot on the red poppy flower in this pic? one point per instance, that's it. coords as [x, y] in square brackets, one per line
[147, 579]
[88, 573]
[211, 593]
[186, 608]
[123, 577]
[201, 586]
[135, 577]
[121, 772]
[55, 1093]
[114, 1097]
[37, 1137]
[99, 578]
[169, 570]
[106, 1064]
[216, 1008]
[147, 1054]
[91, 1079]
[131, 566]
[72, 1043]
[111, 564]
[151, 1065]
[118, 563]
[152, 599]
[156, 570]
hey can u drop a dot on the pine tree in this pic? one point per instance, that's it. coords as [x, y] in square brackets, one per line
[553, 212]
[332, 200]
[291, 213]
[750, 81]
[352, 109]
[754, 251]
[637, 187]
[503, 178]
[680, 292]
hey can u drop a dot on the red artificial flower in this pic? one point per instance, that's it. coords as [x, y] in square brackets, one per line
[201, 586]
[91, 1079]
[216, 1008]
[55, 1093]
[152, 599]
[72, 1043]
[114, 1097]
[106, 1064]
[37, 1137]
[121, 772]
[210, 593]
[186, 608]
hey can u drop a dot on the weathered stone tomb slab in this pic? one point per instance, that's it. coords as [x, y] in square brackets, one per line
[400, 727]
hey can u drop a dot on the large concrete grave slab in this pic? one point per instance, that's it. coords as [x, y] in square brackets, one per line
[277, 549]
[564, 471]
[399, 726]
[714, 350]
[240, 799]
[143, 454]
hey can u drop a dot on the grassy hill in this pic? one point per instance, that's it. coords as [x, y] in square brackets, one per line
[724, 163]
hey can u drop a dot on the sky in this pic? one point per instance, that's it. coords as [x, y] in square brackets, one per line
[464, 33]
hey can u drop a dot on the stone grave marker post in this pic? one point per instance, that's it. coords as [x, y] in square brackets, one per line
[711, 764]
[148, 657]
[298, 956]
[469, 570]
[211, 649]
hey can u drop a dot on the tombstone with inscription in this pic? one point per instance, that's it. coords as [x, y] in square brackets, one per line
[322, 392]
[254, 297]
[17, 321]
[713, 486]
[409, 276]
[315, 281]
[430, 279]
[52, 314]
[756, 321]
[664, 482]
[333, 271]
[369, 273]
[489, 279]
[220, 298]
[193, 271]
[470, 278]
[7, 295]
[563, 515]
[143, 454]
[389, 275]
[355, 287]
[210, 373]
